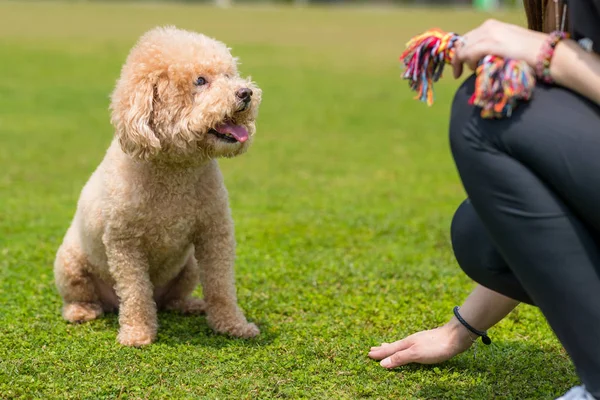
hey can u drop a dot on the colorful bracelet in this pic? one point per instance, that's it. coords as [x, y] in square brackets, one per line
[542, 69]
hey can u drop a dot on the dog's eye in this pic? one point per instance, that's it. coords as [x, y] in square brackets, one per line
[200, 81]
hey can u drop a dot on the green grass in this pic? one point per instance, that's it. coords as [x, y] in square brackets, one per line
[342, 211]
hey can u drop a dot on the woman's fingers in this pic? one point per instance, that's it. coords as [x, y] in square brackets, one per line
[457, 68]
[394, 354]
[457, 65]
[402, 357]
[469, 55]
[387, 349]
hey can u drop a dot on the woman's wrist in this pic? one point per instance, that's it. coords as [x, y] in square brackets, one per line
[577, 69]
[458, 334]
[533, 47]
[559, 68]
[482, 309]
[545, 56]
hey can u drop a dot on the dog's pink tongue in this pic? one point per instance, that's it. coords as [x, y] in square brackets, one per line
[237, 131]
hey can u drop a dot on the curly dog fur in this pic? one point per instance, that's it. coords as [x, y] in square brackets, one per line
[153, 221]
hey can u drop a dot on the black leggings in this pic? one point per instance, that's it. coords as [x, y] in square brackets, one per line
[531, 227]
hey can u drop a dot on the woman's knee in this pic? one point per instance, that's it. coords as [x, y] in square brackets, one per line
[462, 230]
[473, 250]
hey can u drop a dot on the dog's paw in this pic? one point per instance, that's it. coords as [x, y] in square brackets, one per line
[81, 312]
[190, 305]
[135, 336]
[244, 330]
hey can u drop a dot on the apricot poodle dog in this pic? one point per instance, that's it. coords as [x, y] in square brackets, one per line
[153, 221]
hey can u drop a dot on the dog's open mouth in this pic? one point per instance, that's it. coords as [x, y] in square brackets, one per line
[230, 133]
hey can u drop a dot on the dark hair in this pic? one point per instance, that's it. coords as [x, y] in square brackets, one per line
[541, 15]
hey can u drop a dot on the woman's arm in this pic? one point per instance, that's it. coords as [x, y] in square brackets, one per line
[482, 310]
[576, 69]
[571, 67]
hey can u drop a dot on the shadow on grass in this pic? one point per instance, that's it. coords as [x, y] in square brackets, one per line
[508, 370]
[175, 329]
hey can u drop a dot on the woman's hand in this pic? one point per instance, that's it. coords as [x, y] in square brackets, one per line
[482, 309]
[426, 347]
[499, 39]
[571, 67]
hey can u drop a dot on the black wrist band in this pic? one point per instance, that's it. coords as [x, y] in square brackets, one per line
[484, 337]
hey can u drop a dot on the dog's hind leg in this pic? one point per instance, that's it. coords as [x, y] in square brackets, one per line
[75, 285]
[178, 294]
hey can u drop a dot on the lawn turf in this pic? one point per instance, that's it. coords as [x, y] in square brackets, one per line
[342, 211]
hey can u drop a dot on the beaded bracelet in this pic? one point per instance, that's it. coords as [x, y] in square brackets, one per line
[542, 69]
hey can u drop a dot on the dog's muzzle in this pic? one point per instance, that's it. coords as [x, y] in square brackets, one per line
[245, 96]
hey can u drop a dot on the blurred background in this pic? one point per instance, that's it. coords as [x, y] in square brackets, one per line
[478, 4]
[486, 5]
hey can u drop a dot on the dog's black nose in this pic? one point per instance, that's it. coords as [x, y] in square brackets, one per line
[244, 94]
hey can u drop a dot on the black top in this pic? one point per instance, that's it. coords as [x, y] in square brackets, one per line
[584, 20]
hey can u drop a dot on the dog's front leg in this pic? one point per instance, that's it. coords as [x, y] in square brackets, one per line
[215, 252]
[128, 266]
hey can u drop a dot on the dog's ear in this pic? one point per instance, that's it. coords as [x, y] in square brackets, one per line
[132, 110]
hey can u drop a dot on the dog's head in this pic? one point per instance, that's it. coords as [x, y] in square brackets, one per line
[180, 97]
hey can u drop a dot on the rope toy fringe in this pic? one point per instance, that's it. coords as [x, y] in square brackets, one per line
[499, 86]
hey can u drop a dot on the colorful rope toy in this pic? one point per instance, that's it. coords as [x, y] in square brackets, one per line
[499, 86]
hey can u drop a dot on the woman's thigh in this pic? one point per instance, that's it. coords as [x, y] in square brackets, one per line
[556, 135]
